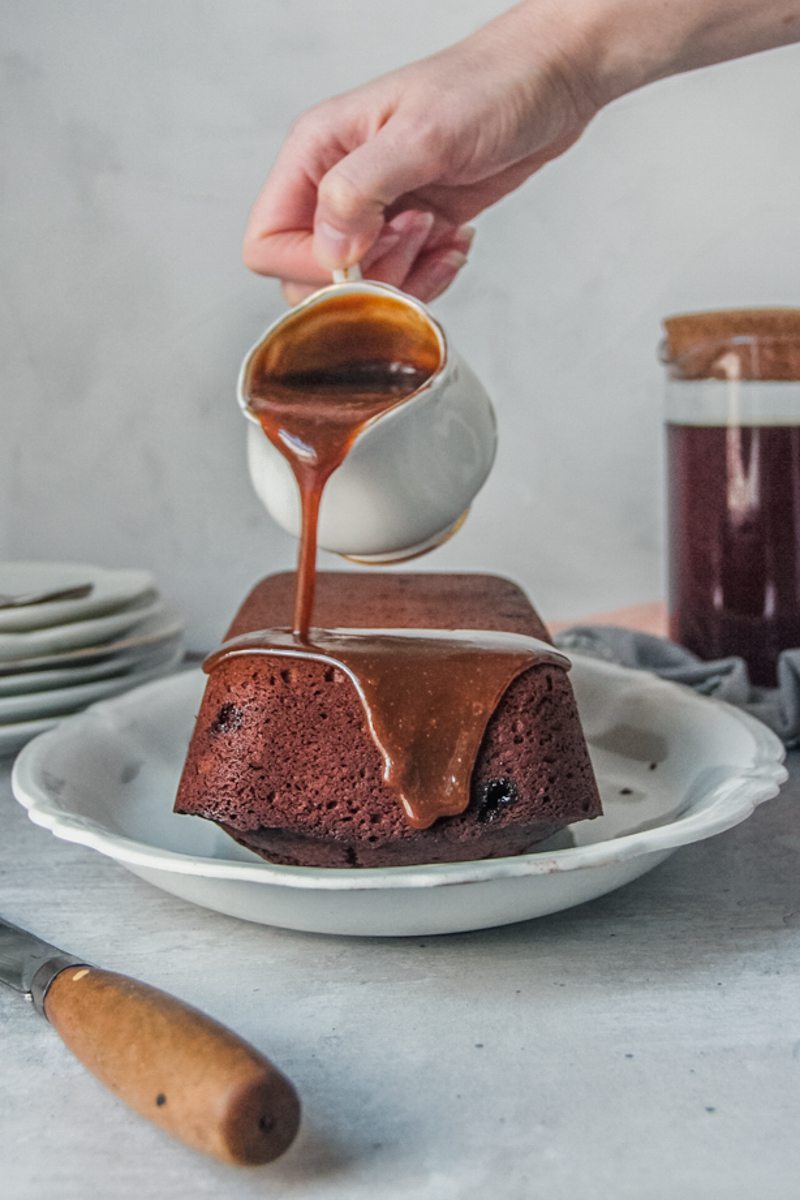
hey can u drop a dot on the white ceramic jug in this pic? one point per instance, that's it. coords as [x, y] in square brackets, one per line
[412, 473]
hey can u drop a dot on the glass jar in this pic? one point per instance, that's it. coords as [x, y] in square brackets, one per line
[733, 469]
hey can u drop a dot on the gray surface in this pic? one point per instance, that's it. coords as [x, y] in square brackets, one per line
[646, 1045]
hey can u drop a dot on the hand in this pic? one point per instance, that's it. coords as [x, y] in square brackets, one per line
[389, 175]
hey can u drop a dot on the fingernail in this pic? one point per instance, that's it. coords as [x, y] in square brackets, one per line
[442, 271]
[450, 263]
[413, 222]
[423, 224]
[332, 247]
[464, 237]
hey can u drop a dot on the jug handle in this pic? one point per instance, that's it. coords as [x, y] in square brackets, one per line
[348, 274]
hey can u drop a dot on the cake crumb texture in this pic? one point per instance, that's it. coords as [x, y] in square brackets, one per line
[283, 760]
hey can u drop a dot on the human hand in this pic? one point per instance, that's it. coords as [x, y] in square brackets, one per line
[390, 174]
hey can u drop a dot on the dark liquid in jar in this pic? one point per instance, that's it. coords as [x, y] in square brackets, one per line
[734, 517]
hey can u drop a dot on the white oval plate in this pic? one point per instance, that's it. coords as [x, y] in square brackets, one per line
[27, 683]
[156, 631]
[17, 732]
[111, 589]
[62, 700]
[36, 642]
[673, 768]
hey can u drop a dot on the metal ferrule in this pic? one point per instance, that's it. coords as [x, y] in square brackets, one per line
[46, 973]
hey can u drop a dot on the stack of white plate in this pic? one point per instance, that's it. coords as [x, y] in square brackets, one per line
[57, 656]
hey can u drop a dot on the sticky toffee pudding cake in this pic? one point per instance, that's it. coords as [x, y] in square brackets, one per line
[423, 718]
[356, 721]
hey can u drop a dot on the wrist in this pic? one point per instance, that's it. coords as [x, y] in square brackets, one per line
[626, 44]
[616, 46]
[596, 50]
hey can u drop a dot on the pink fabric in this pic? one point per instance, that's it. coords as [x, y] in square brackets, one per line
[648, 618]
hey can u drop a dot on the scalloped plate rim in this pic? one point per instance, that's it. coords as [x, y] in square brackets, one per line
[738, 799]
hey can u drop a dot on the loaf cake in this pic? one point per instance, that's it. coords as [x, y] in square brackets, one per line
[283, 760]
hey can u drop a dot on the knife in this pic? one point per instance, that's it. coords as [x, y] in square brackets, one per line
[168, 1061]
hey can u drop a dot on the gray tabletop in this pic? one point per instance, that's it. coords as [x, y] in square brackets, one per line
[646, 1045]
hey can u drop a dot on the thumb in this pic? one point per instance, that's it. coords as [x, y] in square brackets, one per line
[353, 196]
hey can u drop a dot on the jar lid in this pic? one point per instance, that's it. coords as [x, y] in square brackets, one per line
[735, 343]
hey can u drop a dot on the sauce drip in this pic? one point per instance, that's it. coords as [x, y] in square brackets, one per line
[427, 695]
[314, 386]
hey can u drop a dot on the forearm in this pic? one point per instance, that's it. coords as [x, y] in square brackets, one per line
[448, 136]
[610, 47]
[646, 40]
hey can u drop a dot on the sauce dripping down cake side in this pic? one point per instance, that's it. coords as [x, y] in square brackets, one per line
[283, 759]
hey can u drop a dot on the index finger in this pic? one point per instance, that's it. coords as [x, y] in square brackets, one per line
[279, 234]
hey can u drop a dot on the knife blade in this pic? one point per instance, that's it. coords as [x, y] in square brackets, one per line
[168, 1061]
[25, 958]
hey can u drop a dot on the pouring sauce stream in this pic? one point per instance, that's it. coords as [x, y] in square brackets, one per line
[314, 385]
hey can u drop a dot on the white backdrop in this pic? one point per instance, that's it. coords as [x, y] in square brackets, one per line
[135, 137]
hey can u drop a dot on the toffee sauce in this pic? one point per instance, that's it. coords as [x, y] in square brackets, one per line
[313, 418]
[317, 382]
[427, 695]
[314, 385]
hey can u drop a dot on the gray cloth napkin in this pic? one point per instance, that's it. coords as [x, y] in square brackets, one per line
[725, 678]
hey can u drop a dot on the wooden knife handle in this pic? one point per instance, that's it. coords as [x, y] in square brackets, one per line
[173, 1064]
